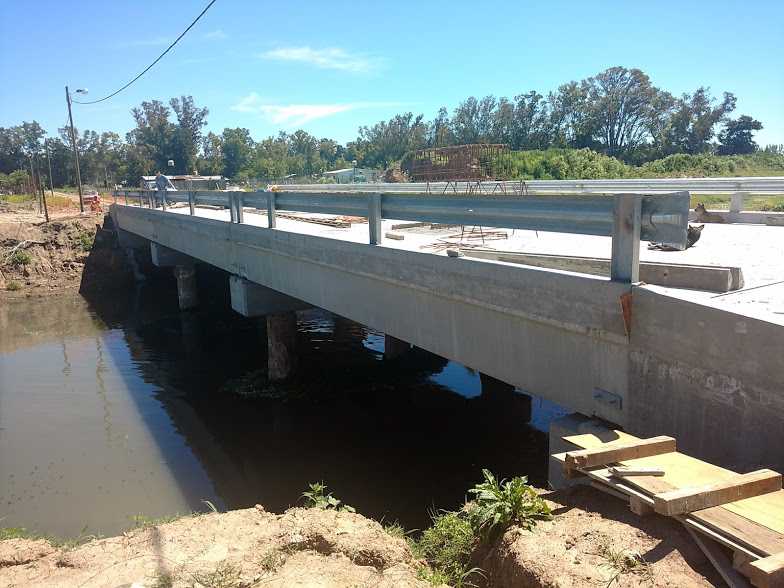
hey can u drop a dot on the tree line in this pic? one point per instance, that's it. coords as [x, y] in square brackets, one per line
[618, 113]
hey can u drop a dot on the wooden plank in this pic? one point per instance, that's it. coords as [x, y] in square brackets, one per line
[640, 508]
[716, 556]
[735, 488]
[768, 572]
[682, 471]
[586, 458]
[626, 471]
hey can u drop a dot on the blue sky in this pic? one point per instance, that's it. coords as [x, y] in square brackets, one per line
[330, 68]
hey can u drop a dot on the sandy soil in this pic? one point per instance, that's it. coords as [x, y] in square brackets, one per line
[320, 548]
[56, 250]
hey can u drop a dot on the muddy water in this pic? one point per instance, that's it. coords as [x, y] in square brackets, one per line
[115, 407]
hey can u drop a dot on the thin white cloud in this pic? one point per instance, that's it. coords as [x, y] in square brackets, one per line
[297, 114]
[215, 35]
[329, 58]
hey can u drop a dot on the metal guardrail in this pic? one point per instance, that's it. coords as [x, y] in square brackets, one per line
[627, 218]
[770, 185]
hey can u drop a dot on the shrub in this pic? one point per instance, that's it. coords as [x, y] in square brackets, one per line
[317, 499]
[13, 286]
[20, 258]
[500, 503]
[85, 241]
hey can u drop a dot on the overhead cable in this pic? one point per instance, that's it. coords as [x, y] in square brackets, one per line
[153, 63]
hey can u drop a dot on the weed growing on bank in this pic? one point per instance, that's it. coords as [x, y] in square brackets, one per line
[620, 562]
[21, 257]
[317, 499]
[22, 533]
[448, 545]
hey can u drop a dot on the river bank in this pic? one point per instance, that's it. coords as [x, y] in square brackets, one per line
[586, 544]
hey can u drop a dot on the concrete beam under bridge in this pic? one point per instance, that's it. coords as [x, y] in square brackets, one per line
[251, 299]
[162, 256]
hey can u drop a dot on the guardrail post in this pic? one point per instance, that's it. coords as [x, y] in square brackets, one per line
[736, 202]
[374, 217]
[240, 214]
[232, 208]
[627, 218]
[192, 201]
[126, 198]
[141, 199]
[271, 221]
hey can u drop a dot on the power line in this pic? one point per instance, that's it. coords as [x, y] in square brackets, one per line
[154, 62]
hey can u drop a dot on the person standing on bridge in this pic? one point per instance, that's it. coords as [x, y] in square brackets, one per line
[161, 183]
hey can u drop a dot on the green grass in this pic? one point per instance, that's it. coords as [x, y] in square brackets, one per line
[22, 533]
[13, 286]
[447, 546]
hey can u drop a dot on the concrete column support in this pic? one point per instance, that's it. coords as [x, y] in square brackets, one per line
[282, 355]
[394, 347]
[187, 292]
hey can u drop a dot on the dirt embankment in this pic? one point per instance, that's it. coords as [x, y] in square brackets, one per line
[589, 543]
[70, 252]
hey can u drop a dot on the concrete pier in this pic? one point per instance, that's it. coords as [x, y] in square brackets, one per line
[187, 292]
[282, 355]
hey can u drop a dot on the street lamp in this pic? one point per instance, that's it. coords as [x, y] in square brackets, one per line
[73, 143]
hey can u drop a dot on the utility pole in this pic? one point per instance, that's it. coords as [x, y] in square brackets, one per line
[33, 185]
[76, 154]
[49, 159]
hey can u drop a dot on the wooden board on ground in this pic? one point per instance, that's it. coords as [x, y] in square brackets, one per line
[735, 488]
[617, 452]
[757, 522]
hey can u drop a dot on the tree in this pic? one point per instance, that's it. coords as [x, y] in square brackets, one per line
[186, 138]
[570, 121]
[530, 124]
[152, 139]
[212, 161]
[736, 137]
[439, 130]
[12, 155]
[694, 120]
[620, 100]
[387, 142]
[237, 148]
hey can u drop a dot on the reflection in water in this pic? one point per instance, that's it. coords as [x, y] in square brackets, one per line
[391, 438]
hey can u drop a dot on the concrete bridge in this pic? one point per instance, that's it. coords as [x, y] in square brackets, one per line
[643, 357]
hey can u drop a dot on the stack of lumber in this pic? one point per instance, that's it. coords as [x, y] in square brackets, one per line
[742, 512]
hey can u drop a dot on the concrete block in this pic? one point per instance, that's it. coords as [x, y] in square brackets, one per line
[559, 428]
[671, 275]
